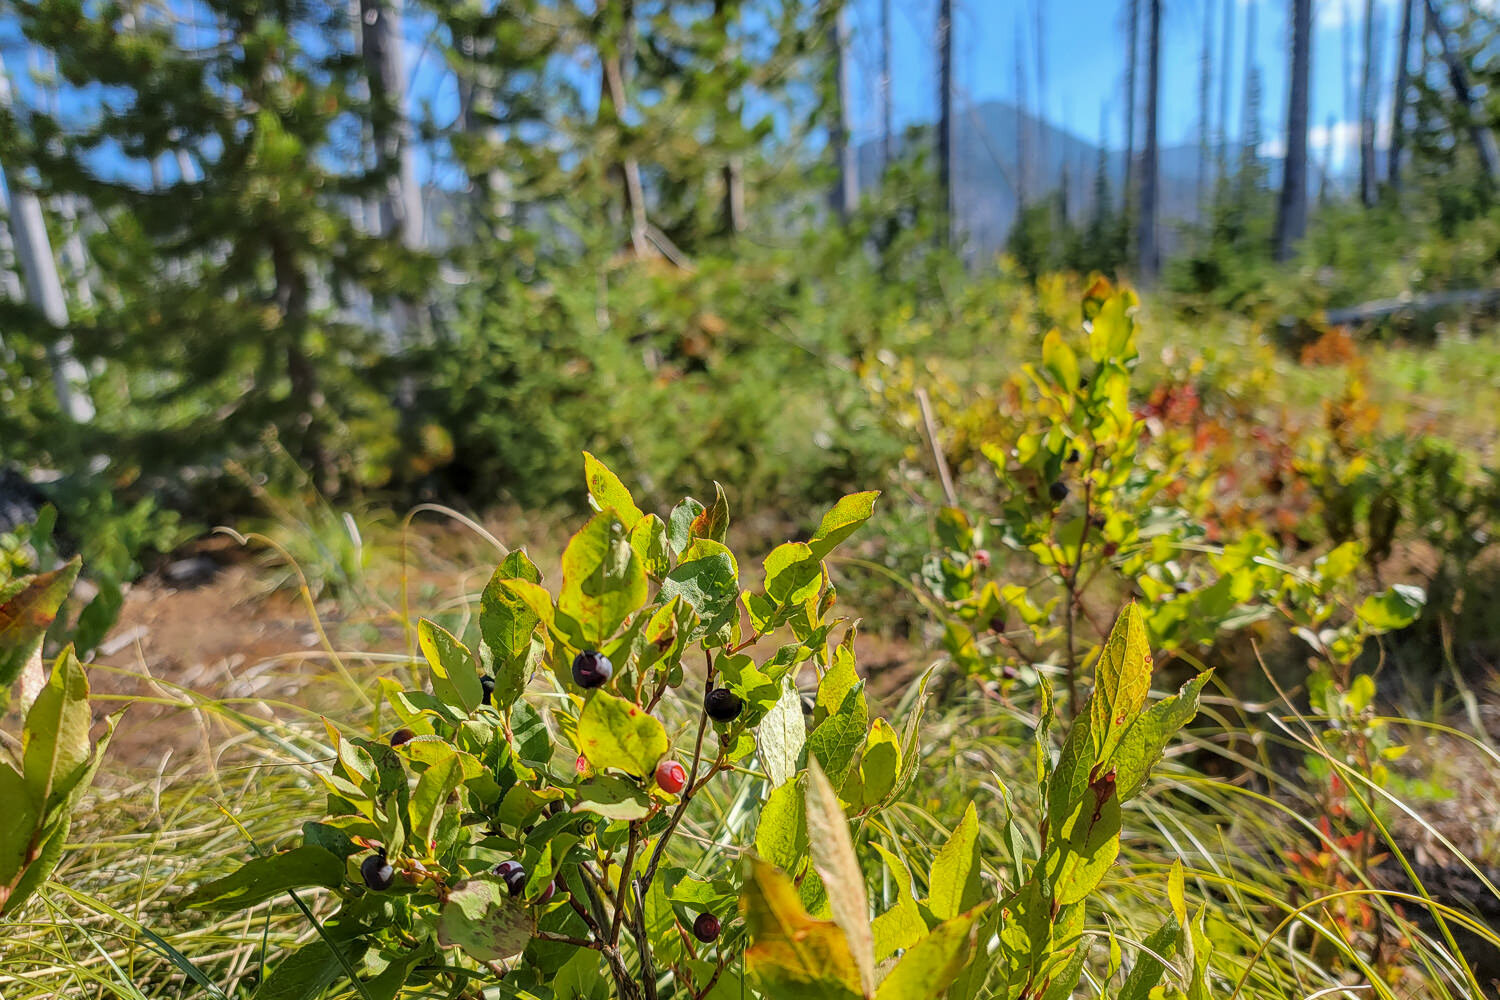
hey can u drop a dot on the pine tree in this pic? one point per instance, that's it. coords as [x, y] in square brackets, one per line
[1291, 214]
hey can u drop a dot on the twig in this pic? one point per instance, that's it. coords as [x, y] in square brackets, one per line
[930, 427]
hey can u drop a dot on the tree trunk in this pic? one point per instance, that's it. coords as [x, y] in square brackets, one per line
[1150, 253]
[734, 195]
[1291, 213]
[1367, 110]
[44, 289]
[846, 190]
[1132, 58]
[306, 394]
[1398, 102]
[1250, 129]
[616, 73]
[1205, 85]
[1458, 78]
[1226, 50]
[945, 117]
[887, 114]
[401, 208]
[1023, 123]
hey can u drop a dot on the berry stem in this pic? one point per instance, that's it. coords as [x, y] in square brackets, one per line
[625, 880]
[688, 792]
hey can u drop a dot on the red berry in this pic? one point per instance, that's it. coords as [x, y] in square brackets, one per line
[671, 777]
[706, 928]
[982, 559]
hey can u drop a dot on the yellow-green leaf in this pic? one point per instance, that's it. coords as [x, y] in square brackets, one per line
[792, 956]
[615, 733]
[833, 858]
[608, 492]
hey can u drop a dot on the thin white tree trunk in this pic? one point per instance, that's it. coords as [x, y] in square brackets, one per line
[846, 193]
[43, 287]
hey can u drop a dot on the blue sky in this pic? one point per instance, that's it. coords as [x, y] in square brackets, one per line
[1084, 55]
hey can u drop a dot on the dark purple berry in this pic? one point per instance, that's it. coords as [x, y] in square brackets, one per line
[1058, 491]
[591, 668]
[723, 705]
[486, 687]
[401, 736]
[377, 872]
[1073, 456]
[547, 893]
[513, 875]
[706, 928]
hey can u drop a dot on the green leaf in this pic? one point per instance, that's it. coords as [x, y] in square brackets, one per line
[1058, 358]
[837, 682]
[781, 835]
[608, 492]
[455, 678]
[430, 797]
[680, 524]
[931, 965]
[713, 523]
[1394, 609]
[603, 581]
[508, 619]
[911, 755]
[261, 879]
[480, 917]
[792, 956]
[613, 798]
[707, 580]
[615, 733]
[1144, 744]
[782, 734]
[901, 926]
[1146, 973]
[55, 740]
[793, 574]
[842, 521]
[649, 540]
[311, 969]
[18, 822]
[954, 885]
[25, 617]
[1086, 843]
[836, 741]
[879, 766]
[833, 857]
[1122, 681]
[48, 852]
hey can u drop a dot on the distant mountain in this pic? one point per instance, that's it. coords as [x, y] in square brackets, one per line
[990, 173]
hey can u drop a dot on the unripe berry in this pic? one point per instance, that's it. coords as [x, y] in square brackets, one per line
[401, 736]
[723, 705]
[671, 777]
[706, 928]
[377, 872]
[591, 668]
